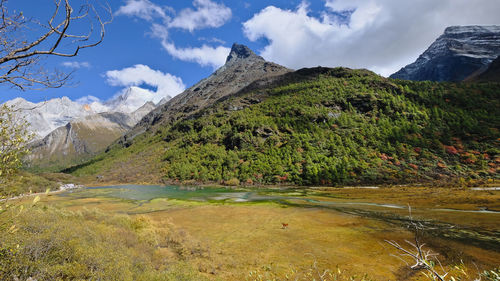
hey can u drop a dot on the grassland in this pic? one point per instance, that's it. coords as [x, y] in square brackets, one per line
[25, 182]
[166, 239]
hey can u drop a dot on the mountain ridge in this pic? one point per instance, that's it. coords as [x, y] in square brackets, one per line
[242, 67]
[318, 126]
[46, 116]
[455, 55]
[82, 138]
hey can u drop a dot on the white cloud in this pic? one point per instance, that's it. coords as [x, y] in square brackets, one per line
[96, 104]
[381, 35]
[143, 9]
[75, 64]
[137, 75]
[207, 14]
[159, 31]
[204, 56]
[212, 40]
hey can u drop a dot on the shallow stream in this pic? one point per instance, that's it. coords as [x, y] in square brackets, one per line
[480, 227]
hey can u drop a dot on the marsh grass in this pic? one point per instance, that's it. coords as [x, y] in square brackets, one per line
[312, 273]
[48, 243]
[167, 239]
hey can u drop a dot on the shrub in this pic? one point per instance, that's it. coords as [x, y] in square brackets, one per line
[53, 244]
[232, 182]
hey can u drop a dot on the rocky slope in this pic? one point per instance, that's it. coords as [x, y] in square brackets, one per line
[492, 74]
[82, 138]
[458, 53]
[242, 67]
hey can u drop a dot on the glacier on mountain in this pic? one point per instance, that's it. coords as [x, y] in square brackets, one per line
[459, 53]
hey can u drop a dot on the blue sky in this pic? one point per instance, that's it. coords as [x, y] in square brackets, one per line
[165, 46]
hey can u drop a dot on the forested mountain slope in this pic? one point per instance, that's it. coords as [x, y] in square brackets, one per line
[321, 126]
[242, 67]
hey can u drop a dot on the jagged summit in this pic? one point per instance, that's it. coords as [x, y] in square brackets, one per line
[458, 53]
[239, 51]
[242, 68]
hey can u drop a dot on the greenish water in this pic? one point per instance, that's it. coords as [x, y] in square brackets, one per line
[233, 195]
[187, 193]
[393, 214]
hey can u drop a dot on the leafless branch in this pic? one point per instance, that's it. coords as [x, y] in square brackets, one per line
[20, 58]
[423, 258]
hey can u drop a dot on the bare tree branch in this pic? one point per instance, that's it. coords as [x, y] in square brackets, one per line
[424, 259]
[20, 58]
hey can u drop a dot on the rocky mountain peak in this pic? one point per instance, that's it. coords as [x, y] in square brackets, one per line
[460, 29]
[242, 68]
[458, 53]
[239, 51]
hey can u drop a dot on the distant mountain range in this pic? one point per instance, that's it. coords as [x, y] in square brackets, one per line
[259, 122]
[45, 117]
[82, 138]
[68, 132]
[461, 52]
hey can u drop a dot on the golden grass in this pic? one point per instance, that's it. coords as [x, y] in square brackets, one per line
[425, 197]
[228, 241]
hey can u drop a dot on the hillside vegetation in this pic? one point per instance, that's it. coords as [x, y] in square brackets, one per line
[322, 126]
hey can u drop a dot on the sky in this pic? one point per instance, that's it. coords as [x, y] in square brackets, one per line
[164, 46]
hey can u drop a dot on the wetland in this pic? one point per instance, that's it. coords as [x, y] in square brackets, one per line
[241, 230]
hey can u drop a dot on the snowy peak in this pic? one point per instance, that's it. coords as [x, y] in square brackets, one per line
[84, 136]
[132, 98]
[459, 29]
[46, 116]
[20, 103]
[455, 55]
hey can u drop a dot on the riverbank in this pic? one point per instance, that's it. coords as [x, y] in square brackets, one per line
[484, 197]
[448, 183]
[62, 188]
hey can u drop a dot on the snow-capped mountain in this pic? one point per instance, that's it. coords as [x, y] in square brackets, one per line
[82, 138]
[457, 54]
[131, 99]
[45, 117]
